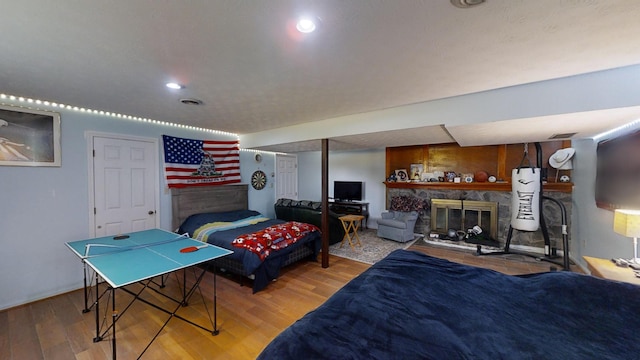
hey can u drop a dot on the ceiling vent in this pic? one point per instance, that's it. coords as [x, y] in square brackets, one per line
[562, 136]
[466, 3]
[191, 101]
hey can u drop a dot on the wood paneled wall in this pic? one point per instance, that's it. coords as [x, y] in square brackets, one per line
[497, 160]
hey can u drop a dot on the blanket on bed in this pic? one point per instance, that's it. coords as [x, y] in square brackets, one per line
[273, 238]
[412, 306]
[221, 228]
[203, 232]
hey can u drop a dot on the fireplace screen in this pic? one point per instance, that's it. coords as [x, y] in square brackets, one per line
[464, 214]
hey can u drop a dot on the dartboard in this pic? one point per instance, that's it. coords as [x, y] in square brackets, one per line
[258, 180]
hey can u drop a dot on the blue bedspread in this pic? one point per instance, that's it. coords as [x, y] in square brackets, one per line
[412, 306]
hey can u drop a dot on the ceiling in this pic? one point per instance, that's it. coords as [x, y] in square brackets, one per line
[254, 73]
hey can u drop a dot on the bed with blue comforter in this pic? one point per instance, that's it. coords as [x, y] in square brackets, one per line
[222, 228]
[413, 306]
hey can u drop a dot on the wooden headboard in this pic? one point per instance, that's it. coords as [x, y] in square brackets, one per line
[203, 199]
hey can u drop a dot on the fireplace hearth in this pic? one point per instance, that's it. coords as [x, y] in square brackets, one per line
[497, 227]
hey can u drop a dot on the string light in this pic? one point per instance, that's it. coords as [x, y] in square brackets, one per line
[263, 151]
[49, 104]
[619, 131]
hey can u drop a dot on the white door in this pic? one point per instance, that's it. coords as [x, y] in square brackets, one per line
[286, 176]
[125, 178]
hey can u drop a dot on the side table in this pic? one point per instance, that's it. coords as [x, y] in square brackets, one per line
[606, 269]
[350, 224]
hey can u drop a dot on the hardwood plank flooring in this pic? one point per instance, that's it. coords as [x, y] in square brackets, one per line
[56, 328]
[512, 264]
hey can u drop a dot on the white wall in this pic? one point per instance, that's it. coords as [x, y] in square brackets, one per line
[260, 200]
[44, 207]
[364, 165]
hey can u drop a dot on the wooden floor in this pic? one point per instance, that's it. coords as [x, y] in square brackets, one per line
[56, 328]
[512, 264]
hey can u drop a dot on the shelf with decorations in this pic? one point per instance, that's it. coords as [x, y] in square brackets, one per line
[474, 166]
[484, 186]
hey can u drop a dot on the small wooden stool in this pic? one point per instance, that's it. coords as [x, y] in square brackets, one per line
[350, 223]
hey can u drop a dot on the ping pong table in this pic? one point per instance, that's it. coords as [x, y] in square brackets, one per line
[140, 257]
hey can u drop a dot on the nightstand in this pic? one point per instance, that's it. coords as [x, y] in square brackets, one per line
[606, 269]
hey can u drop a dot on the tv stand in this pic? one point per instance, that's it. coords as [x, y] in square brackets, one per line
[351, 208]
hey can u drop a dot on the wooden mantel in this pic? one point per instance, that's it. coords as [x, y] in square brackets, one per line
[482, 186]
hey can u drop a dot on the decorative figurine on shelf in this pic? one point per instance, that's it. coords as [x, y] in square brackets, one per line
[450, 175]
[392, 177]
[481, 176]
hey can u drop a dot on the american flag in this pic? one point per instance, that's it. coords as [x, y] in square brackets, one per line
[190, 162]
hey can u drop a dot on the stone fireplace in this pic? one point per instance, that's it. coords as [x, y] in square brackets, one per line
[502, 220]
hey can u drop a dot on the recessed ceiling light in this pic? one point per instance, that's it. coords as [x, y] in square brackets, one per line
[175, 86]
[306, 25]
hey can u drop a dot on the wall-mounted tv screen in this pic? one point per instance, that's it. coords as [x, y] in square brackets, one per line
[618, 171]
[348, 190]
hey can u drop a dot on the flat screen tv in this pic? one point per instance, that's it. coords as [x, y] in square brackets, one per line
[617, 172]
[347, 190]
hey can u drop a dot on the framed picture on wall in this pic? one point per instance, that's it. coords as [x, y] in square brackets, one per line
[29, 137]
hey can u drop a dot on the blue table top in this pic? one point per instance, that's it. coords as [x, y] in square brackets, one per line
[141, 255]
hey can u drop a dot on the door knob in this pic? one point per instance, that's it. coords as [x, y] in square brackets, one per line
[151, 212]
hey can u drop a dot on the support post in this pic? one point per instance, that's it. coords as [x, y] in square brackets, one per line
[325, 203]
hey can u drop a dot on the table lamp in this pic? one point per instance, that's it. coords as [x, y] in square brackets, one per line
[627, 223]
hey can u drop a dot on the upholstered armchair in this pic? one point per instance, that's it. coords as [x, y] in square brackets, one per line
[397, 225]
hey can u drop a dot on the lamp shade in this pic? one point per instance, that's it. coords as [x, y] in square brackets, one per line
[627, 222]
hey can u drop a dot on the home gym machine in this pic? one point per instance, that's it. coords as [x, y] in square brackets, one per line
[550, 254]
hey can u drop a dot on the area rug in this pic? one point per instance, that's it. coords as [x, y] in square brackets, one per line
[373, 248]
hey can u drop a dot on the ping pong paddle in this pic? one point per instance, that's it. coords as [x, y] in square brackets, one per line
[189, 249]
